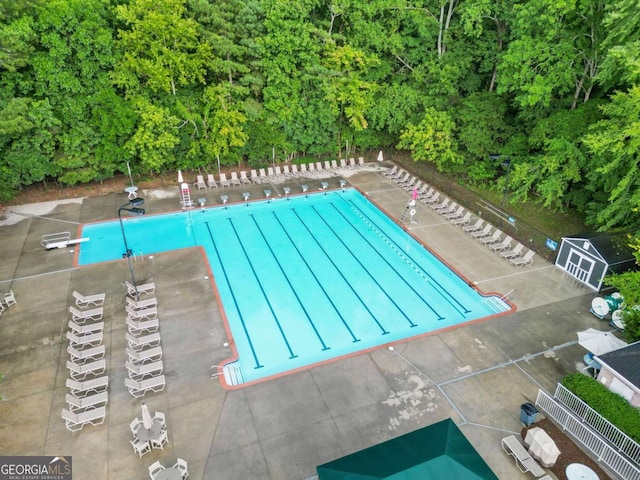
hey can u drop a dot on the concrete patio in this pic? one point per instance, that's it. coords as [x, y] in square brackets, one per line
[478, 374]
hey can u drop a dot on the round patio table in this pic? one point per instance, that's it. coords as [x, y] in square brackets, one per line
[132, 192]
[169, 473]
[153, 433]
[578, 471]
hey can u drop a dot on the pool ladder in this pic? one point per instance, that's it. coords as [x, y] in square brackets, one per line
[232, 374]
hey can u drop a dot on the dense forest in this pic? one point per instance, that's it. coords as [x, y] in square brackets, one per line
[550, 85]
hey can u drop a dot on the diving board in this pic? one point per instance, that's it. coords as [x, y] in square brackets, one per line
[60, 240]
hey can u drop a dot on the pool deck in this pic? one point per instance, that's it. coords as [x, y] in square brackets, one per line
[477, 374]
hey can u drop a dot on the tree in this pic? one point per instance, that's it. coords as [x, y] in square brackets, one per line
[161, 48]
[614, 141]
[432, 140]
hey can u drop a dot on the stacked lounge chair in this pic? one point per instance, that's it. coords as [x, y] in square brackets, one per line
[144, 362]
[87, 396]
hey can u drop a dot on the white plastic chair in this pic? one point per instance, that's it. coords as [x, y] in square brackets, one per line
[154, 469]
[161, 441]
[140, 447]
[135, 425]
[182, 466]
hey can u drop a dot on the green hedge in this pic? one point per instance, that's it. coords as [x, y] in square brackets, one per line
[610, 405]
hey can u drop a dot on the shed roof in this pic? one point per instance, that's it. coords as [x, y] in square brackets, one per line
[624, 361]
[613, 248]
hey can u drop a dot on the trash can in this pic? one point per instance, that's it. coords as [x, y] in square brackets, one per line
[528, 413]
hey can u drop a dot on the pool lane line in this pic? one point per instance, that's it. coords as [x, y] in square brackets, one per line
[328, 297]
[441, 290]
[266, 242]
[382, 257]
[384, 331]
[235, 301]
[355, 257]
[264, 294]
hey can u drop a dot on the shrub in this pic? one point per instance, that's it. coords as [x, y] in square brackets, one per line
[610, 405]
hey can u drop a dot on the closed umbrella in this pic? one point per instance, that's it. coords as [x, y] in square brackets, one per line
[380, 156]
[147, 421]
[599, 342]
[180, 179]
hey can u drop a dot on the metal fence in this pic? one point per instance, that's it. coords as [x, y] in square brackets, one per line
[483, 208]
[613, 434]
[606, 454]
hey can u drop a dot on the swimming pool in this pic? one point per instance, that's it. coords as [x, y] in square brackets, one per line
[306, 279]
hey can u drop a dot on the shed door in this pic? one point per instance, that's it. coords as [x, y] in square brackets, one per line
[579, 265]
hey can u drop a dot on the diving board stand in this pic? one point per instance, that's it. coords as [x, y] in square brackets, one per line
[60, 240]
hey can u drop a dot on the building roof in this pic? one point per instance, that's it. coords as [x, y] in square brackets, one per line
[613, 248]
[625, 362]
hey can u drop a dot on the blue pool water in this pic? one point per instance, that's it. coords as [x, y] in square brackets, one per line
[308, 278]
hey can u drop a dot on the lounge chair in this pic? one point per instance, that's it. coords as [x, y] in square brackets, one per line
[319, 167]
[526, 259]
[83, 301]
[143, 314]
[464, 220]
[144, 356]
[485, 232]
[352, 163]
[361, 162]
[243, 178]
[334, 165]
[142, 304]
[86, 355]
[81, 371]
[149, 287]
[416, 186]
[82, 316]
[139, 389]
[234, 179]
[432, 199]
[503, 245]
[403, 179]
[443, 205]
[223, 180]
[95, 385]
[75, 421]
[343, 165]
[408, 183]
[495, 238]
[80, 404]
[200, 183]
[448, 210]
[211, 181]
[144, 370]
[82, 341]
[139, 343]
[515, 253]
[303, 169]
[264, 178]
[254, 176]
[294, 170]
[136, 327]
[140, 447]
[525, 463]
[87, 329]
[475, 227]
[459, 213]
[311, 169]
[278, 173]
[440, 205]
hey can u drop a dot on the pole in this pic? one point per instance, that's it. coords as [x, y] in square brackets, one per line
[506, 186]
[130, 177]
[127, 253]
[132, 207]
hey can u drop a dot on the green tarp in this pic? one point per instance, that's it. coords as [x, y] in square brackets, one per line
[439, 451]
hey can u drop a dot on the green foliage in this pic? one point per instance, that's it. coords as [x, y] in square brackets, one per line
[432, 140]
[608, 404]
